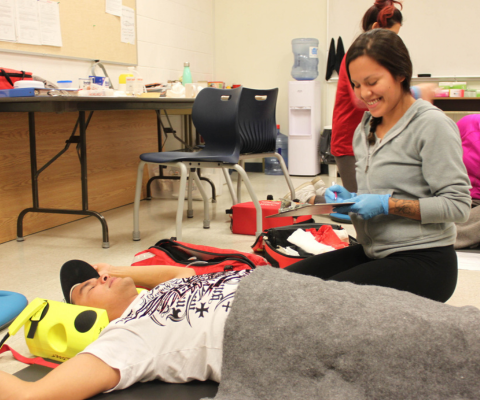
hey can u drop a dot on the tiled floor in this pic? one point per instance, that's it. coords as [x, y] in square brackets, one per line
[32, 267]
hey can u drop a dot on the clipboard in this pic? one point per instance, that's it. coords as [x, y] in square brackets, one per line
[314, 209]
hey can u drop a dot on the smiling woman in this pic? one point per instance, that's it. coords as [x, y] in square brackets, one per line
[380, 71]
[412, 183]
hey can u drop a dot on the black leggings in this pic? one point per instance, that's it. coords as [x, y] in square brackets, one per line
[431, 273]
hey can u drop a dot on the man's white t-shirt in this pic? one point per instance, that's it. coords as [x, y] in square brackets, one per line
[173, 332]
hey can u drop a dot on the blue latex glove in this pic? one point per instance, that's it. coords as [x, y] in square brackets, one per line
[369, 205]
[342, 194]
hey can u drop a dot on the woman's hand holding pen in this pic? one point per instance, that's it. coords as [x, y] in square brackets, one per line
[366, 205]
[338, 194]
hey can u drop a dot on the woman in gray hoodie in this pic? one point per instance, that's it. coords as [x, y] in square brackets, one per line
[412, 184]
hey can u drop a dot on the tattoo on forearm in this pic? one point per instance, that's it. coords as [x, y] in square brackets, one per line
[406, 208]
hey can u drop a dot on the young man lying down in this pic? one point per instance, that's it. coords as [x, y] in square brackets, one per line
[173, 332]
[287, 336]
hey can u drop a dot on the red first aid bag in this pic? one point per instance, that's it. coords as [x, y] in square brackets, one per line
[203, 259]
[244, 217]
[267, 243]
[9, 76]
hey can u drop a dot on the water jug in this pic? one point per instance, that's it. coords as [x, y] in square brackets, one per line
[305, 66]
[272, 166]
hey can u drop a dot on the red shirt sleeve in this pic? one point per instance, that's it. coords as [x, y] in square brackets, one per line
[346, 116]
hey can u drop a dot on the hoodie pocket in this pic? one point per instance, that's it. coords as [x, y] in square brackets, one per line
[387, 230]
[390, 229]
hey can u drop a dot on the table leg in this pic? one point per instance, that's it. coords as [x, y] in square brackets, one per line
[35, 172]
[88, 213]
[83, 159]
[33, 157]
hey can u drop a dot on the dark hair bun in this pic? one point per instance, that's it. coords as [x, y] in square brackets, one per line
[383, 12]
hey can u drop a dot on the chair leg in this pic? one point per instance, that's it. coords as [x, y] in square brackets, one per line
[243, 174]
[230, 185]
[214, 190]
[206, 209]
[136, 203]
[181, 198]
[239, 181]
[190, 200]
[286, 174]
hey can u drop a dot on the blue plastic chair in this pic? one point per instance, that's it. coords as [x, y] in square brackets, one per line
[236, 124]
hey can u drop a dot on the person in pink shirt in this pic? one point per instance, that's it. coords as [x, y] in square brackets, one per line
[469, 127]
[468, 233]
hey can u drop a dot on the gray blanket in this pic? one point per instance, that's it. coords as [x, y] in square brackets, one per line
[290, 336]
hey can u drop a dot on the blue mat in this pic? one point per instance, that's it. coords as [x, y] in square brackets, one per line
[11, 304]
[157, 390]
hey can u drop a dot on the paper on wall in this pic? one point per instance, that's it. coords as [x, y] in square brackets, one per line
[128, 25]
[113, 7]
[7, 20]
[27, 25]
[49, 22]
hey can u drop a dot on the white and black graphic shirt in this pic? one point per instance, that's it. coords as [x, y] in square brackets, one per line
[173, 332]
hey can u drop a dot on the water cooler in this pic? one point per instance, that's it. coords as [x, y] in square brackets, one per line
[304, 127]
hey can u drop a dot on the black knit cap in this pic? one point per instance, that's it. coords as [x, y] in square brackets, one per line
[74, 272]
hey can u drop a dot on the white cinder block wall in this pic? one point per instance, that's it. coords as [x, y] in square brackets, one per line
[253, 44]
[169, 32]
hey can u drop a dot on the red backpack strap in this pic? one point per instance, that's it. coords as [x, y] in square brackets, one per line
[170, 252]
[26, 360]
[255, 259]
[3, 73]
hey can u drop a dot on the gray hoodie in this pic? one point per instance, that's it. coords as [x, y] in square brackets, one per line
[420, 158]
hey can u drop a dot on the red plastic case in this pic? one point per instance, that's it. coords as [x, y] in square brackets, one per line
[244, 217]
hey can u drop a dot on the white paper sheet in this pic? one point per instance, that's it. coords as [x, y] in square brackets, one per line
[26, 13]
[113, 7]
[128, 25]
[49, 22]
[7, 20]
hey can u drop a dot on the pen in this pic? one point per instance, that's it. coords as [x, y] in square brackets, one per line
[335, 193]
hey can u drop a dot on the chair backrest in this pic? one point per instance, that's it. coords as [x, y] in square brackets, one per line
[256, 120]
[214, 115]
